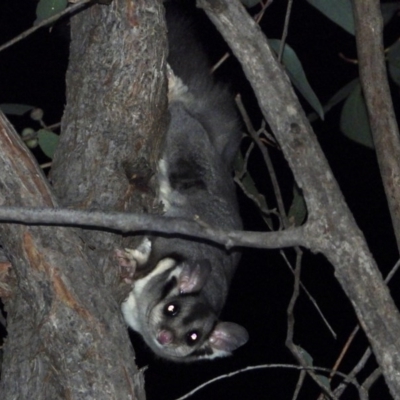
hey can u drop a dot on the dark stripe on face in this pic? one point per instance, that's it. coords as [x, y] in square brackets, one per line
[168, 288]
[198, 311]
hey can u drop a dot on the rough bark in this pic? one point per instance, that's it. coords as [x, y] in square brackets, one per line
[66, 337]
[115, 113]
[330, 228]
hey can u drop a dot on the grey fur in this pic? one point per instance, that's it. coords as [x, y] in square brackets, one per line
[175, 306]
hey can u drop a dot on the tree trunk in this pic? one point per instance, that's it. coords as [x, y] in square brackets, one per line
[66, 336]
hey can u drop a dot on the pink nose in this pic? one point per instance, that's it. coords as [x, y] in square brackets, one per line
[164, 337]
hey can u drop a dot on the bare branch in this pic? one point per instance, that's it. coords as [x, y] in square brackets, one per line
[45, 22]
[285, 29]
[57, 288]
[335, 232]
[297, 352]
[129, 222]
[267, 161]
[257, 367]
[385, 131]
[365, 357]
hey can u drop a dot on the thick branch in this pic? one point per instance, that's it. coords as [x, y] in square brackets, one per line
[63, 337]
[335, 231]
[385, 131]
[66, 335]
[116, 111]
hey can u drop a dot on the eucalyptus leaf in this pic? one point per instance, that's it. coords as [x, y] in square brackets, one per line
[324, 380]
[394, 72]
[394, 54]
[394, 62]
[354, 122]
[250, 189]
[338, 11]
[47, 142]
[15, 109]
[342, 94]
[298, 209]
[306, 356]
[47, 8]
[250, 3]
[389, 10]
[297, 75]
[339, 96]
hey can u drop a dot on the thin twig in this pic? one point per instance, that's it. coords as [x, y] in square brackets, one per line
[246, 157]
[283, 215]
[344, 351]
[392, 271]
[252, 197]
[267, 160]
[256, 367]
[360, 365]
[219, 62]
[372, 378]
[268, 137]
[45, 22]
[45, 165]
[299, 384]
[285, 29]
[296, 351]
[309, 295]
[260, 14]
[54, 126]
[259, 198]
[282, 212]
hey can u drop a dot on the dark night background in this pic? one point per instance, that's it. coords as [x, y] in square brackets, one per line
[33, 72]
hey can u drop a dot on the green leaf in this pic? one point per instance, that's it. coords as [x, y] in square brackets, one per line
[394, 72]
[388, 10]
[250, 189]
[47, 142]
[306, 356]
[298, 209]
[250, 3]
[47, 8]
[324, 380]
[339, 96]
[338, 11]
[354, 121]
[15, 109]
[297, 75]
[394, 62]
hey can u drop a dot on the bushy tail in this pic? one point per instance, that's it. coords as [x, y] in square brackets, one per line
[209, 102]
